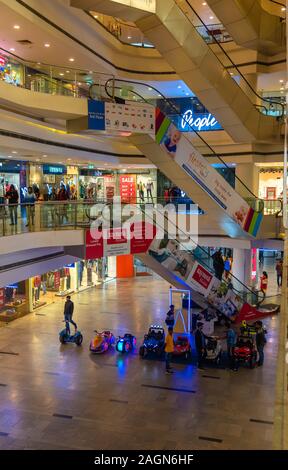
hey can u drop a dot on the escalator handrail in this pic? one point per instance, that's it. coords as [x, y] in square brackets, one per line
[266, 100]
[178, 114]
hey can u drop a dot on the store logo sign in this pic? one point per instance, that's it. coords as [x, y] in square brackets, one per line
[54, 170]
[201, 122]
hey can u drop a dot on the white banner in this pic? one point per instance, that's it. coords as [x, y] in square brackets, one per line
[138, 118]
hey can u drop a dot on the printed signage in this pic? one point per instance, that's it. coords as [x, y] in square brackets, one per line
[139, 118]
[198, 122]
[180, 149]
[54, 170]
[128, 188]
[1, 297]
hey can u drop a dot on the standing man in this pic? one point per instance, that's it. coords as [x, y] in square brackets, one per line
[13, 198]
[30, 200]
[200, 344]
[279, 271]
[68, 313]
[260, 342]
[169, 348]
[218, 264]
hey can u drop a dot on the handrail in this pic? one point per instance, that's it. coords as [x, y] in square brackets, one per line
[178, 114]
[232, 62]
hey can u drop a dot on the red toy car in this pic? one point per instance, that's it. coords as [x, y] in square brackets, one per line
[182, 346]
[101, 342]
[245, 351]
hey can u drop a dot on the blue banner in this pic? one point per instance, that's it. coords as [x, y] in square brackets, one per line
[96, 115]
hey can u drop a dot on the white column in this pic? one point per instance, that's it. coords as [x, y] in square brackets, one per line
[241, 268]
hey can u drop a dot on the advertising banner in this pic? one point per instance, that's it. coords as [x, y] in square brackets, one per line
[128, 188]
[195, 165]
[1, 297]
[56, 280]
[136, 117]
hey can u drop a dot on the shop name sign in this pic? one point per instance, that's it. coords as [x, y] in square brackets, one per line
[54, 170]
[199, 122]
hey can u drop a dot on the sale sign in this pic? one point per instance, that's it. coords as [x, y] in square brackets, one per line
[128, 188]
[2, 296]
[202, 276]
[56, 280]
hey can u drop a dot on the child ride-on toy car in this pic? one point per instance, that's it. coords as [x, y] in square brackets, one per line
[101, 342]
[213, 349]
[125, 343]
[66, 337]
[245, 351]
[182, 347]
[154, 341]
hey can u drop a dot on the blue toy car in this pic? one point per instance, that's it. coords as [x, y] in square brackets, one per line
[126, 343]
[154, 341]
[65, 337]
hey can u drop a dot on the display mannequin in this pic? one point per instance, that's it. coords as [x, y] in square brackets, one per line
[149, 187]
[141, 187]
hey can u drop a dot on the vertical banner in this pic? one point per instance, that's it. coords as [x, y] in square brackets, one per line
[2, 296]
[96, 115]
[57, 280]
[128, 189]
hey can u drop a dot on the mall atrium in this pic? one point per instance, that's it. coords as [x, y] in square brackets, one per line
[143, 225]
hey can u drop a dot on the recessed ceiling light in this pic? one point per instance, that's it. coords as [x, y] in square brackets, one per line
[149, 88]
[14, 151]
[71, 59]
[46, 44]
[283, 9]
[38, 63]
[10, 156]
[12, 49]
[69, 159]
[159, 94]
[91, 71]
[61, 74]
[231, 73]
[95, 16]
[204, 4]
[281, 81]
[129, 37]
[16, 26]
[79, 83]
[179, 86]
[211, 17]
[187, 94]
[44, 156]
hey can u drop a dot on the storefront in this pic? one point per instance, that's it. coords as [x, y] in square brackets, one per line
[271, 182]
[11, 72]
[13, 302]
[133, 186]
[49, 177]
[14, 172]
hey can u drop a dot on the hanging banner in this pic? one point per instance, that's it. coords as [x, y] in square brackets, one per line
[136, 117]
[2, 297]
[195, 165]
[128, 189]
[56, 280]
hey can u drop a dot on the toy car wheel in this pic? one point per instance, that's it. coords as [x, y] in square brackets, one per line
[79, 340]
[141, 351]
[127, 347]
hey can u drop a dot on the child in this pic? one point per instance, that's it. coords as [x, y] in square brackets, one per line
[264, 283]
[170, 143]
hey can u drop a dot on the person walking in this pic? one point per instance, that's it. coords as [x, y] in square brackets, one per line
[30, 200]
[264, 283]
[13, 198]
[260, 342]
[200, 345]
[68, 313]
[169, 348]
[218, 264]
[279, 271]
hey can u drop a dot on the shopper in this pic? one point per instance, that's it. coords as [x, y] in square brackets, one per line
[30, 200]
[68, 313]
[227, 267]
[200, 344]
[260, 342]
[169, 348]
[170, 319]
[231, 338]
[264, 283]
[218, 264]
[2, 197]
[13, 198]
[279, 271]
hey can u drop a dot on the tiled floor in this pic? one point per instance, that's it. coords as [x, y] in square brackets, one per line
[105, 399]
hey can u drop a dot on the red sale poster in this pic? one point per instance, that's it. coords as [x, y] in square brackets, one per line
[94, 246]
[1, 297]
[202, 277]
[56, 280]
[128, 189]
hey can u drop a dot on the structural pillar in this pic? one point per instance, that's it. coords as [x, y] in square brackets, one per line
[241, 267]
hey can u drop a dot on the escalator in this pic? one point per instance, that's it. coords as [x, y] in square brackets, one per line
[181, 160]
[241, 113]
[186, 265]
[253, 25]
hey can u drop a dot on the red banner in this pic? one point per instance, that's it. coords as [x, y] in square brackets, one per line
[142, 237]
[250, 313]
[2, 297]
[128, 188]
[94, 247]
[56, 280]
[202, 277]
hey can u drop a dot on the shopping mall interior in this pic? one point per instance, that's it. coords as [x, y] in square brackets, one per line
[143, 170]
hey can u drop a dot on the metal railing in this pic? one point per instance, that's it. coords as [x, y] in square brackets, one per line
[51, 79]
